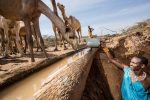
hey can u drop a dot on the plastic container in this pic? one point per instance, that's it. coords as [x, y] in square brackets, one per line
[93, 42]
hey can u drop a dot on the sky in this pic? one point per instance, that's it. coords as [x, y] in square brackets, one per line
[105, 16]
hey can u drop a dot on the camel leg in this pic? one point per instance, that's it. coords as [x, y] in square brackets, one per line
[36, 39]
[54, 29]
[10, 44]
[15, 47]
[7, 41]
[57, 21]
[60, 38]
[79, 37]
[63, 41]
[37, 31]
[25, 47]
[2, 41]
[18, 41]
[21, 42]
[79, 31]
[29, 38]
[16, 30]
[64, 46]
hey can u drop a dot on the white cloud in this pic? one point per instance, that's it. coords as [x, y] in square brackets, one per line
[129, 10]
[74, 6]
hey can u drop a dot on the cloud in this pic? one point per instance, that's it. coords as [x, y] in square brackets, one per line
[130, 10]
[76, 6]
[112, 14]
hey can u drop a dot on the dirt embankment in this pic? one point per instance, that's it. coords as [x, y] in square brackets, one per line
[133, 41]
[104, 79]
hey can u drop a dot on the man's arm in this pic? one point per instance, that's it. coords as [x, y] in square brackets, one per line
[112, 60]
[92, 29]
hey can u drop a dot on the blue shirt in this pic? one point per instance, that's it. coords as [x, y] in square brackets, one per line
[133, 91]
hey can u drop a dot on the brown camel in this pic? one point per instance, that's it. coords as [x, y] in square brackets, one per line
[14, 27]
[29, 11]
[55, 29]
[72, 22]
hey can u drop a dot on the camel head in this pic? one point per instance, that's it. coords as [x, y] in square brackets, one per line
[61, 7]
[72, 37]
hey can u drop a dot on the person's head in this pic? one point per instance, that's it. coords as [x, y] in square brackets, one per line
[88, 26]
[138, 62]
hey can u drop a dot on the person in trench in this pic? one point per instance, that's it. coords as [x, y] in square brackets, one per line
[136, 82]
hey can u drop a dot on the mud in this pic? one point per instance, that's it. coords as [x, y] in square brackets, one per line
[12, 69]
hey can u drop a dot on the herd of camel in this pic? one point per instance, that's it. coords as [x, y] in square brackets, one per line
[19, 19]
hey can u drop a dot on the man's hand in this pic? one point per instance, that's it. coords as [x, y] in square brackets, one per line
[110, 57]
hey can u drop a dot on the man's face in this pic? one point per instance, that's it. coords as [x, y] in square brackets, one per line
[135, 64]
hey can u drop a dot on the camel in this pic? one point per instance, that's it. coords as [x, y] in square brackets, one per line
[16, 30]
[14, 27]
[55, 29]
[30, 11]
[71, 21]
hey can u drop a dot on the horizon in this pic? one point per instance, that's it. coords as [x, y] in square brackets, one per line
[106, 16]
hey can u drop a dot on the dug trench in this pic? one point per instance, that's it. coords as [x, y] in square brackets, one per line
[91, 77]
[84, 79]
[104, 79]
[97, 87]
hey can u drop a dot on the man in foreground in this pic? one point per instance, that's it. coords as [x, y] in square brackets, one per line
[136, 82]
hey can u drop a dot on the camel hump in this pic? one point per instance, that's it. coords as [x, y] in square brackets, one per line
[75, 24]
[73, 19]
